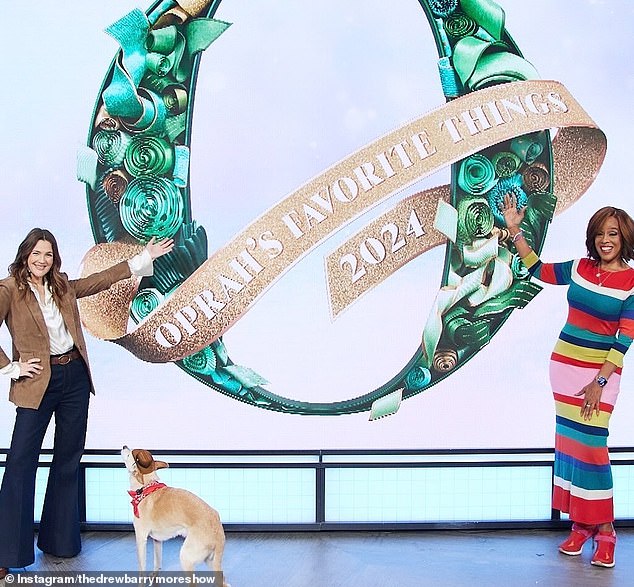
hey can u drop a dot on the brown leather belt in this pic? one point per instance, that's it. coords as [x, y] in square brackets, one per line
[65, 358]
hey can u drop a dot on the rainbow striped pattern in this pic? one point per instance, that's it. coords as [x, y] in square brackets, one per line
[599, 328]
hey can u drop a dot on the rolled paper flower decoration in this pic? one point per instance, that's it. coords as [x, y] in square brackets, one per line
[149, 155]
[110, 146]
[536, 178]
[476, 175]
[145, 302]
[175, 99]
[507, 185]
[158, 64]
[443, 8]
[162, 40]
[505, 163]
[152, 118]
[104, 121]
[204, 361]
[444, 360]
[475, 219]
[417, 378]
[528, 147]
[115, 183]
[460, 25]
[518, 268]
[462, 331]
[151, 207]
[449, 80]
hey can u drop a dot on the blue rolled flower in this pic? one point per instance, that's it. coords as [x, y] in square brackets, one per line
[507, 185]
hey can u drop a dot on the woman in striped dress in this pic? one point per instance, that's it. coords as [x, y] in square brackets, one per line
[585, 370]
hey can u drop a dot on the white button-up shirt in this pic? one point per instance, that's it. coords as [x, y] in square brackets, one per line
[60, 339]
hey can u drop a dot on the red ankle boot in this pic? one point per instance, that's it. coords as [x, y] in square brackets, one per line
[604, 553]
[579, 534]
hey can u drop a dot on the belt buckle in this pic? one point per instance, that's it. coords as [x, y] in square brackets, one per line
[64, 359]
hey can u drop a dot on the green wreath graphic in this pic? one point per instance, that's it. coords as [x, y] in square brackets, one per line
[137, 170]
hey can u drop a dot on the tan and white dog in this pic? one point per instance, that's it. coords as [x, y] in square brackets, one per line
[162, 512]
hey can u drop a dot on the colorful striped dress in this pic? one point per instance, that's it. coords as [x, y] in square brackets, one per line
[599, 327]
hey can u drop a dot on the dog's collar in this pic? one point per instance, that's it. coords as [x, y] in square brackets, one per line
[142, 492]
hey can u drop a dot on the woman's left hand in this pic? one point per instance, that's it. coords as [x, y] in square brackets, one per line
[158, 249]
[591, 400]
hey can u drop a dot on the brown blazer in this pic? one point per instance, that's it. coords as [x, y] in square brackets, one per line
[29, 335]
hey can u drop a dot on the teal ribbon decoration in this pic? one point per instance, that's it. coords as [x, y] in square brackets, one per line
[87, 165]
[449, 80]
[151, 207]
[154, 113]
[479, 63]
[175, 126]
[198, 34]
[120, 97]
[161, 9]
[181, 165]
[489, 15]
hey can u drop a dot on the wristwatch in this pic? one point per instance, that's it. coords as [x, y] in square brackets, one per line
[601, 381]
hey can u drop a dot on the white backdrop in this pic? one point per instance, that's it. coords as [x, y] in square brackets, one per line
[307, 83]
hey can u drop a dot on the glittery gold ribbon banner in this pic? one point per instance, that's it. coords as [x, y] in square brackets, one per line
[225, 287]
[406, 231]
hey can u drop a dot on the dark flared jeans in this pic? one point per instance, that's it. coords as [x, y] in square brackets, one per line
[67, 396]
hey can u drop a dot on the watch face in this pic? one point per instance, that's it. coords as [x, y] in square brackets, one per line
[601, 381]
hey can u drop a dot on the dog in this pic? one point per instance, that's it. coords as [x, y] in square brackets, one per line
[162, 512]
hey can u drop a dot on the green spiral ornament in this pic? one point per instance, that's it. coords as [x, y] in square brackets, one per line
[145, 302]
[475, 219]
[110, 147]
[151, 207]
[476, 175]
[149, 155]
[141, 136]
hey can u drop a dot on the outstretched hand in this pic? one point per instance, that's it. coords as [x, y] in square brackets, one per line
[512, 216]
[158, 249]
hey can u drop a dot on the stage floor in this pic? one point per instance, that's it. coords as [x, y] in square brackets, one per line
[452, 558]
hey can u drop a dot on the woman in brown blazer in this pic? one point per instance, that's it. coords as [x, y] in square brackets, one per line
[50, 375]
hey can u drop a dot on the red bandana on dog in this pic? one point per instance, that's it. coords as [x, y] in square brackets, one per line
[143, 492]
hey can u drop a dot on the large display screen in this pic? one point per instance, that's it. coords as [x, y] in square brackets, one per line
[287, 91]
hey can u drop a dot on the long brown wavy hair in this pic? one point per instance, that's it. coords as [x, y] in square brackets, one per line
[626, 226]
[19, 269]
